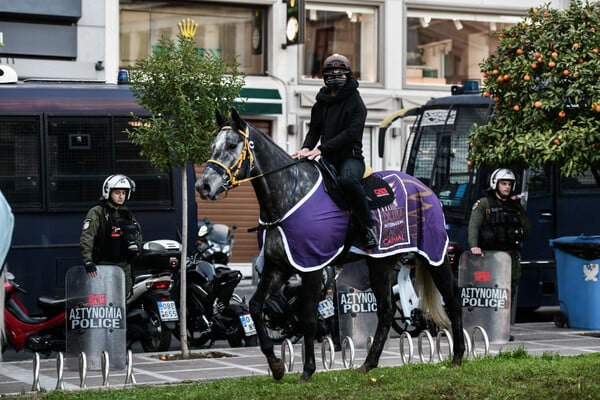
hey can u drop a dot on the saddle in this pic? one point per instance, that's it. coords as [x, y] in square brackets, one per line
[378, 191]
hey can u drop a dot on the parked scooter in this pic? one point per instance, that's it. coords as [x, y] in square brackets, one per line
[214, 311]
[281, 311]
[409, 317]
[44, 333]
[151, 313]
[150, 317]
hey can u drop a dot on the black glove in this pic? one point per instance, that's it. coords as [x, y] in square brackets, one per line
[89, 267]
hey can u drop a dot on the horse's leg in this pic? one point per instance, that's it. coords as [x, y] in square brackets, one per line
[444, 280]
[268, 283]
[309, 299]
[381, 274]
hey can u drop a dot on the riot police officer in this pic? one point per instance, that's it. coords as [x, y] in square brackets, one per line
[499, 222]
[338, 120]
[110, 234]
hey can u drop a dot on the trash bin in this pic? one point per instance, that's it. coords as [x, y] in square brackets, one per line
[96, 317]
[484, 283]
[577, 260]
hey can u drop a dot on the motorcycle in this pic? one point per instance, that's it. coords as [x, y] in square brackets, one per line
[215, 242]
[281, 311]
[214, 311]
[150, 313]
[409, 317]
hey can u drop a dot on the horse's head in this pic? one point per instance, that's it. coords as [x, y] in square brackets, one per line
[231, 160]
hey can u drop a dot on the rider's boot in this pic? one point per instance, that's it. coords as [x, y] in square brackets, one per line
[370, 238]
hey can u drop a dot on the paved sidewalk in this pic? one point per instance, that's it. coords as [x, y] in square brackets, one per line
[17, 376]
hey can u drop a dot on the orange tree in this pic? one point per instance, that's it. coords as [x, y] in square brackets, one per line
[545, 81]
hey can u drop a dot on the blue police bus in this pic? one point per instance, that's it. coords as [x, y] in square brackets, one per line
[58, 142]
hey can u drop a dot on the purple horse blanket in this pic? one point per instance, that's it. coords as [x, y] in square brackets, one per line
[314, 231]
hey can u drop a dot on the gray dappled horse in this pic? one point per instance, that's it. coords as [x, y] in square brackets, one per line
[290, 236]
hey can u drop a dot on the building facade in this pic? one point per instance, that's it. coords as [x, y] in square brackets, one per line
[403, 52]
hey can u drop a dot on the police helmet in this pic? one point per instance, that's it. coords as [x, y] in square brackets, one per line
[117, 181]
[336, 64]
[501, 174]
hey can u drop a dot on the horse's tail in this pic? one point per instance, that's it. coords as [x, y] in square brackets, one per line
[432, 304]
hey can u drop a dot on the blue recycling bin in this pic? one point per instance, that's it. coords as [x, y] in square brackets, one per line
[577, 270]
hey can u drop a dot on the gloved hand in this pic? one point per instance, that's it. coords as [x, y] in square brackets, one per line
[90, 267]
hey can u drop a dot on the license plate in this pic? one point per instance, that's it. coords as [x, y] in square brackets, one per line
[326, 308]
[167, 311]
[248, 324]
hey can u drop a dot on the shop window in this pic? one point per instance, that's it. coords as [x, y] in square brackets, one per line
[225, 31]
[351, 31]
[446, 48]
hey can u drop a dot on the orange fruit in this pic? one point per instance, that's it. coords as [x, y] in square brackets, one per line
[495, 72]
[469, 163]
[595, 50]
[486, 94]
[535, 11]
[566, 72]
[551, 64]
[496, 99]
[556, 141]
[562, 114]
[554, 54]
[539, 59]
[516, 108]
[533, 65]
[575, 45]
[538, 104]
[526, 78]
[598, 108]
[506, 77]
[519, 51]
[485, 74]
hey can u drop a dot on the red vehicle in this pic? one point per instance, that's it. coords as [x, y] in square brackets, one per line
[43, 333]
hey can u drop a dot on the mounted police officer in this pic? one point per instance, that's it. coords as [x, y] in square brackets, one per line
[499, 222]
[338, 121]
[110, 234]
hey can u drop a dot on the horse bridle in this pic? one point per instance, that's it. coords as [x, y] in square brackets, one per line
[243, 166]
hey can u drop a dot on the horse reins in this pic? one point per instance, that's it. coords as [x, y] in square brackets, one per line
[244, 163]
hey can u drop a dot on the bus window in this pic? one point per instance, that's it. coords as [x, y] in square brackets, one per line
[20, 170]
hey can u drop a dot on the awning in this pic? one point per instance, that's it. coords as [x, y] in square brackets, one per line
[259, 101]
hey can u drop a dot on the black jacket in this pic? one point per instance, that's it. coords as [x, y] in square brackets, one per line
[338, 121]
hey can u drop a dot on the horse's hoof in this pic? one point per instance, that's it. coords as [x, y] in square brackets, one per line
[277, 368]
[363, 369]
[305, 377]
[457, 361]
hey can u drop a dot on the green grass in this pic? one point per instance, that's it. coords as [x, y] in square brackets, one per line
[509, 375]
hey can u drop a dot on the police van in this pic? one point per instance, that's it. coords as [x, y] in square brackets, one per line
[58, 142]
[436, 153]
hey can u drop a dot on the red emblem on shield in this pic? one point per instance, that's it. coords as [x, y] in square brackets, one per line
[96, 299]
[482, 276]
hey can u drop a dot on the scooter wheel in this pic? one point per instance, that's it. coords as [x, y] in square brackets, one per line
[560, 319]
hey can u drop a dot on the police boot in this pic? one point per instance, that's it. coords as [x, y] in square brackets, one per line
[370, 238]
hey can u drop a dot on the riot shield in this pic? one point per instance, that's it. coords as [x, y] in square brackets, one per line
[96, 315]
[484, 283]
[357, 307]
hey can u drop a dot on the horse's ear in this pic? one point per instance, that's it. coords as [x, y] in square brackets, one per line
[237, 119]
[221, 120]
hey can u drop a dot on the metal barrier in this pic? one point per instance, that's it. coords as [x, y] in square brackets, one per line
[406, 337]
[348, 342]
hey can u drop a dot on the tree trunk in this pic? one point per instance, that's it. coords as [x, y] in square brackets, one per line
[183, 268]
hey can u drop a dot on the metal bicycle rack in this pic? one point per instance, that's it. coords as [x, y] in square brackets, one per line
[327, 346]
[405, 337]
[348, 343]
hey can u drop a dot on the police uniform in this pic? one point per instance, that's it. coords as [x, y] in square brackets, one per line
[497, 224]
[111, 236]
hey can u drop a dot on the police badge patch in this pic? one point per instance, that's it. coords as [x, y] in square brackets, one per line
[86, 224]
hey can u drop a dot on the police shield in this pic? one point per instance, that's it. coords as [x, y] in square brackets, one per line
[484, 283]
[96, 315]
[357, 307]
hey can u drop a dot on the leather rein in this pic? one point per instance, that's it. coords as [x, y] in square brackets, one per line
[242, 169]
